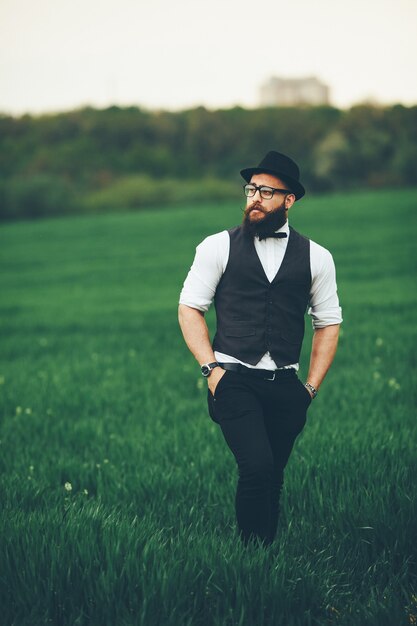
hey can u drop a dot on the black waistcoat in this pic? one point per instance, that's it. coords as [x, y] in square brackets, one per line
[255, 316]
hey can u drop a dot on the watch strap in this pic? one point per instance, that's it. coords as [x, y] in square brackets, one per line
[207, 368]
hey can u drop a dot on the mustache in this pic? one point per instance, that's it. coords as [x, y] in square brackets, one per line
[254, 205]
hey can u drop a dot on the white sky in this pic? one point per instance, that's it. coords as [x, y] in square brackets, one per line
[57, 55]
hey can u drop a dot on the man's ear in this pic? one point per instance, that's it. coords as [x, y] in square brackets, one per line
[289, 200]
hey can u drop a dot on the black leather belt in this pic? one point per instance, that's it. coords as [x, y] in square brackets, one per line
[258, 373]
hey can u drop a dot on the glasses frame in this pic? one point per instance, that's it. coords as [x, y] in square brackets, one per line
[260, 187]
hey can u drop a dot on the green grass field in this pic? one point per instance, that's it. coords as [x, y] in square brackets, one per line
[117, 489]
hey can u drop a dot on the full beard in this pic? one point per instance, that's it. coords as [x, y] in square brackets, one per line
[265, 226]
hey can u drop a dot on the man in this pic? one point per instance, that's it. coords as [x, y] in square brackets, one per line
[262, 276]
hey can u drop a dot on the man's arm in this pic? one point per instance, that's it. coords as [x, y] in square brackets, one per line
[196, 336]
[322, 353]
[326, 314]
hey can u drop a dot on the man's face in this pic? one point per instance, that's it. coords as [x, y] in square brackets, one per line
[257, 207]
[265, 216]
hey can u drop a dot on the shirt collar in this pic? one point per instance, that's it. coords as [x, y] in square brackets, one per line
[284, 229]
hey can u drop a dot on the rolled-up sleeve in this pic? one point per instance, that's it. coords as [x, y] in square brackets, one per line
[206, 271]
[324, 307]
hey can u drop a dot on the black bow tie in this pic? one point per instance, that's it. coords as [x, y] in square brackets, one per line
[280, 235]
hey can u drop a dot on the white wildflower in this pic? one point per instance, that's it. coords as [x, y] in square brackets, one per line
[394, 384]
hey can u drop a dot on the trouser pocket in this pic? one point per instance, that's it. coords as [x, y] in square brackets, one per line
[211, 399]
[305, 397]
[210, 406]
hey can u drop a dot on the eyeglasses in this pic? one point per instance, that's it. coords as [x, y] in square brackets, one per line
[266, 192]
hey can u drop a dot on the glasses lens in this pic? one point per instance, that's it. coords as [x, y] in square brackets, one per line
[266, 193]
[250, 190]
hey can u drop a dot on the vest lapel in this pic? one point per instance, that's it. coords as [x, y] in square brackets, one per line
[285, 262]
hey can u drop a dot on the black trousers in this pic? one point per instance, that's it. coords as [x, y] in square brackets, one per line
[260, 420]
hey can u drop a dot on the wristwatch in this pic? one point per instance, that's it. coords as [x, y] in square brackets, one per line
[312, 389]
[207, 368]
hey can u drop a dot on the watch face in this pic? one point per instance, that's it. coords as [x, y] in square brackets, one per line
[205, 370]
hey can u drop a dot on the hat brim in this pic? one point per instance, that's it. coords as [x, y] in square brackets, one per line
[296, 187]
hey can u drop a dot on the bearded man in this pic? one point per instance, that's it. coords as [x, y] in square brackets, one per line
[263, 276]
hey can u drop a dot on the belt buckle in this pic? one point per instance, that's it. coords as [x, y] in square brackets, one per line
[273, 378]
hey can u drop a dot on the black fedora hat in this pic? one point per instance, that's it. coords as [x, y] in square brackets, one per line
[281, 166]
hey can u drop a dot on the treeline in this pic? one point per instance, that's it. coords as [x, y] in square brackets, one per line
[118, 158]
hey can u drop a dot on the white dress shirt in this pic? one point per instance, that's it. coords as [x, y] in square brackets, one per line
[210, 262]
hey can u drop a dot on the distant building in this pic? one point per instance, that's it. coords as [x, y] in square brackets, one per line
[294, 91]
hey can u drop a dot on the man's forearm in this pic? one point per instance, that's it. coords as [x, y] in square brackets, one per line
[196, 334]
[322, 353]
